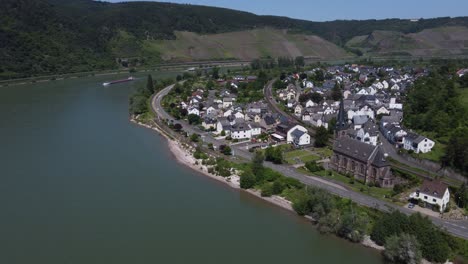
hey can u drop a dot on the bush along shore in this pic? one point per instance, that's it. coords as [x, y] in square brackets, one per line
[401, 238]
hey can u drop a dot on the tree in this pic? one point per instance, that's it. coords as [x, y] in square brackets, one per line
[461, 196]
[194, 119]
[274, 155]
[177, 127]
[403, 248]
[278, 186]
[183, 112]
[215, 73]
[247, 181]
[336, 93]
[455, 152]
[299, 61]
[389, 224]
[316, 97]
[257, 162]
[150, 84]
[332, 125]
[138, 104]
[227, 151]
[312, 166]
[210, 84]
[194, 137]
[321, 137]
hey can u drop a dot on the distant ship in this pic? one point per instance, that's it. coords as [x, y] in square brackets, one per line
[129, 79]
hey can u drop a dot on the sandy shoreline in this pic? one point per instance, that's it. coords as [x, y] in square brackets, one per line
[185, 157]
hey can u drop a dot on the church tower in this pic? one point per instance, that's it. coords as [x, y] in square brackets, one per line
[341, 122]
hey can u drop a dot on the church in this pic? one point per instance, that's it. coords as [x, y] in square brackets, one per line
[365, 162]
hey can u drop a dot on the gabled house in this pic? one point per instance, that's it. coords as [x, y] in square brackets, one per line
[394, 134]
[209, 123]
[241, 130]
[417, 143]
[193, 110]
[434, 193]
[223, 125]
[310, 103]
[368, 133]
[228, 101]
[298, 110]
[298, 136]
[394, 104]
[382, 111]
[359, 121]
[268, 123]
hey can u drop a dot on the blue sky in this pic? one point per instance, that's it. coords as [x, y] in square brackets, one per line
[324, 10]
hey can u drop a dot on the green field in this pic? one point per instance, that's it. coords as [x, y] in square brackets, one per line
[299, 156]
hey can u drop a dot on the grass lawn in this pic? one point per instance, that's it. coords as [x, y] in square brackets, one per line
[299, 156]
[379, 193]
[435, 154]
[326, 152]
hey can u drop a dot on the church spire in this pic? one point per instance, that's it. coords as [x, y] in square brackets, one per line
[341, 122]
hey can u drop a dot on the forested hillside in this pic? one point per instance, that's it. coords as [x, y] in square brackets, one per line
[436, 106]
[56, 36]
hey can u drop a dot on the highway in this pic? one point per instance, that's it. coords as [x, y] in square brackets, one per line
[457, 228]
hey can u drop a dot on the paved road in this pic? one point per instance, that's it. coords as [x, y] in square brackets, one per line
[458, 228]
[267, 91]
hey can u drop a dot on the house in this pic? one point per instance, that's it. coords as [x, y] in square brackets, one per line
[365, 110]
[433, 193]
[223, 125]
[368, 133]
[306, 116]
[209, 123]
[417, 143]
[359, 120]
[227, 101]
[239, 115]
[298, 110]
[255, 129]
[309, 84]
[298, 136]
[382, 111]
[363, 78]
[241, 130]
[211, 111]
[193, 110]
[268, 123]
[394, 105]
[365, 162]
[291, 103]
[310, 103]
[394, 134]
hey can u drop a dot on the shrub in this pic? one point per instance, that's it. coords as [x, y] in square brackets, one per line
[267, 190]
[247, 181]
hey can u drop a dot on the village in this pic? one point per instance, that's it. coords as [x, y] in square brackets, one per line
[360, 108]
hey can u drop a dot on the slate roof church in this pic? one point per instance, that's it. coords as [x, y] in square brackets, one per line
[365, 162]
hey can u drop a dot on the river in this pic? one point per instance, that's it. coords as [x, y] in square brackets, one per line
[81, 184]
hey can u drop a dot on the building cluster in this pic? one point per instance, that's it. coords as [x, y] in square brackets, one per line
[223, 115]
[370, 94]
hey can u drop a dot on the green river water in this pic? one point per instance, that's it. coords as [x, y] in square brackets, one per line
[81, 184]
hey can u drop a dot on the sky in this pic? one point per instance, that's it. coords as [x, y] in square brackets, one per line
[326, 10]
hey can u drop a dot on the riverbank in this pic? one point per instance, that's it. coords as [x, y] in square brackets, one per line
[184, 156]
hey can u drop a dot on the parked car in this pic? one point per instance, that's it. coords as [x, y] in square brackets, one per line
[411, 205]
